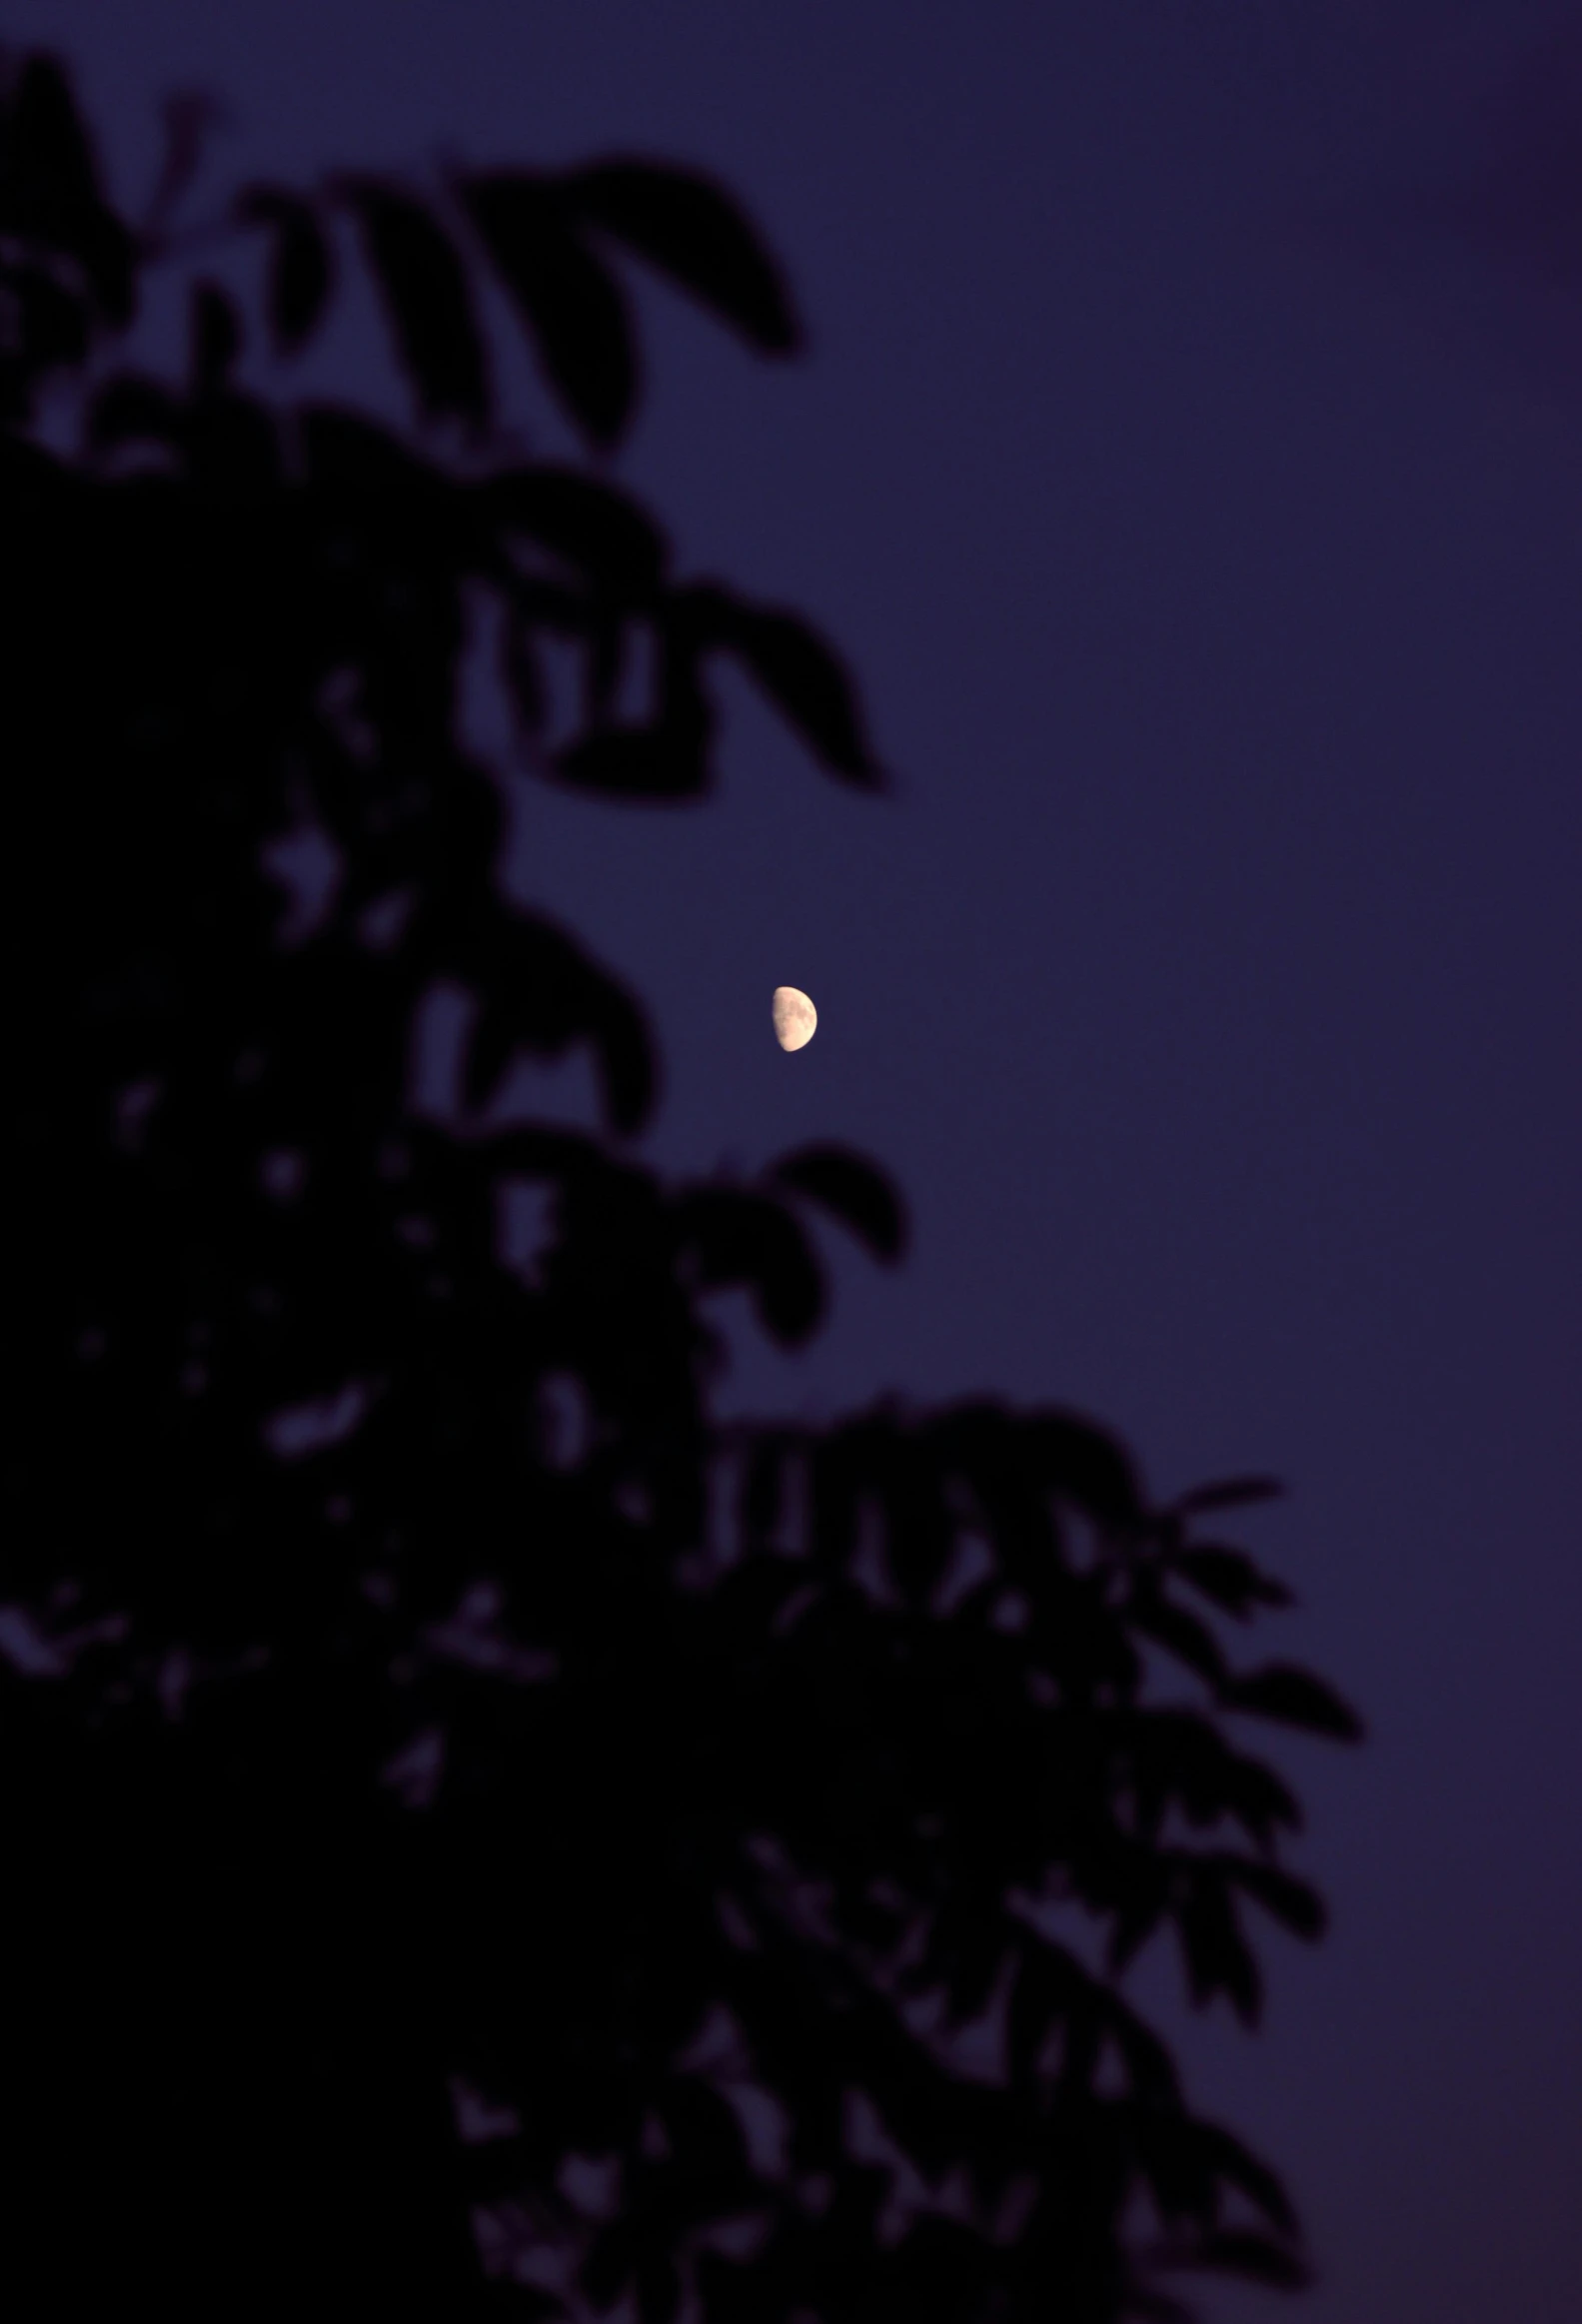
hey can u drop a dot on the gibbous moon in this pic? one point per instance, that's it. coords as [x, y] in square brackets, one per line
[796, 1018]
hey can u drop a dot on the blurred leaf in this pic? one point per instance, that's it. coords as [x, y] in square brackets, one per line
[49, 326]
[803, 676]
[1187, 1639]
[539, 990]
[735, 1238]
[1086, 1464]
[1293, 1902]
[524, 680]
[659, 2287]
[605, 648]
[706, 2132]
[423, 286]
[1151, 2068]
[853, 1190]
[570, 302]
[49, 185]
[1228, 1493]
[1260, 1800]
[1231, 2160]
[1136, 1920]
[1246, 2253]
[1295, 1698]
[765, 1489]
[1229, 1579]
[590, 524]
[668, 757]
[608, 2267]
[1188, 2164]
[343, 448]
[516, 2302]
[215, 340]
[1046, 1985]
[129, 409]
[1217, 1957]
[635, 762]
[688, 227]
[301, 268]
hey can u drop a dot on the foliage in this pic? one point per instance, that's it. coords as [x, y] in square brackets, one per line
[487, 1832]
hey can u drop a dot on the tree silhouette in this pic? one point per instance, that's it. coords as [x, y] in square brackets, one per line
[481, 1830]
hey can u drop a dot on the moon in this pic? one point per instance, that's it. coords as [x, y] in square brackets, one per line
[796, 1018]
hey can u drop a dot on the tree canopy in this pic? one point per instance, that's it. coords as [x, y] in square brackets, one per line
[484, 1830]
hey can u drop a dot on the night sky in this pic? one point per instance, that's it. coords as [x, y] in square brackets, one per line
[1188, 454]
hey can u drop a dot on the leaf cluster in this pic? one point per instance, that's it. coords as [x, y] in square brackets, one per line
[439, 1696]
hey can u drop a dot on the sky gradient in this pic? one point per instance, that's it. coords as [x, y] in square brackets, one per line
[1188, 454]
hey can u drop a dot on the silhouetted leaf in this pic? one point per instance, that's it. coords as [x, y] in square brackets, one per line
[1295, 1698]
[49, 186]
[423, 286]
[1294, 1903]
[1216, 1954]
[608, 2266]
[853, 1190]
[1188, 1640]
[343, 448]
[659, 2286]
[539, 990]
[1046, 1985]
[49, 326]
[1260, 1800]
[570, 302]
[637, 762]
[49, 168]
[1086, 1464]
[1135, 1919]
[1229, 2159]
[1246, 2253]
[666, 757]
[765, 1481]
[301, 268]
[129, 409]
[705, 2129]
[1229, 1579]
[1228, 1493]
[738, 1238]
[803, 676]
[688, 228]
[1149, 2067]
[524, 680]
[215, 340]
[590, 524]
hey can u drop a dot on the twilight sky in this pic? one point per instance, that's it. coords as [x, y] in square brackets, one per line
[1190, 457]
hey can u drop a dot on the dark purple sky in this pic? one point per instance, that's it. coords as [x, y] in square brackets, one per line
[1189, 455]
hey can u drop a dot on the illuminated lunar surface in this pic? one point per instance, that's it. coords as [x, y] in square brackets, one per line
[796, 1018]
